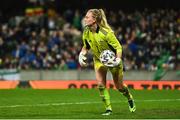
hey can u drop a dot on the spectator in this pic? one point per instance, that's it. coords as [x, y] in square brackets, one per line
[27, 43]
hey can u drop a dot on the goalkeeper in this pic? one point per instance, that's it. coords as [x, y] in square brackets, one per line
[98, 36]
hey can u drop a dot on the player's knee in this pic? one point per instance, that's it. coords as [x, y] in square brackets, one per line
[119, 86]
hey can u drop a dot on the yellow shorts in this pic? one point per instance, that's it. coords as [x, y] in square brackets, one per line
[114, 70]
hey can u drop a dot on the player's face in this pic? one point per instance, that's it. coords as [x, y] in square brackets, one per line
[89, 20]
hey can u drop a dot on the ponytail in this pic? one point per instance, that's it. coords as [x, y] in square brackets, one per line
[103, 22]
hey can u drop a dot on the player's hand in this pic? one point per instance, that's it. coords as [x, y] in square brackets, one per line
[114, 63]
[82, 59]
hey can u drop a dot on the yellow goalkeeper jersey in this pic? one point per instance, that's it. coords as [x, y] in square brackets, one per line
[102, 39]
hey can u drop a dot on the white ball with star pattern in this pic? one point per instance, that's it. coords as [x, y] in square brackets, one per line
[107, 56]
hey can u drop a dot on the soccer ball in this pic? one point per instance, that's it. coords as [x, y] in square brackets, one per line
[107, 57]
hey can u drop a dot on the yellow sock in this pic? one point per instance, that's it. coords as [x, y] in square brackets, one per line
[105, 97]
[126, 93]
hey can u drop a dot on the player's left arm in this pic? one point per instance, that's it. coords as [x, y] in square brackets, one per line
[113, 41]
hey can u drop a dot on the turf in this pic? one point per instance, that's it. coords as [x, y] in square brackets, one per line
[86, 104]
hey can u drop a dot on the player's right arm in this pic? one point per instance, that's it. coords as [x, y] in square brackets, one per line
[84, 50]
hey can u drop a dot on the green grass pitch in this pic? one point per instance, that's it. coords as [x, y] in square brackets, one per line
[86, 104]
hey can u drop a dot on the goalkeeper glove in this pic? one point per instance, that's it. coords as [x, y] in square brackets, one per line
[82, 59]
[113, 63]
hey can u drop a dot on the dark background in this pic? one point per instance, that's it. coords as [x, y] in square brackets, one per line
[16, 7]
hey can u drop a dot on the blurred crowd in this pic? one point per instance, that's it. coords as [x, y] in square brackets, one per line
[52, 40]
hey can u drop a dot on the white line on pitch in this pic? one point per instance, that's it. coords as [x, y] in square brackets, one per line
[82, 103]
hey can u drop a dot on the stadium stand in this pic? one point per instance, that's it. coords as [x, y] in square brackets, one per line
[44, 38]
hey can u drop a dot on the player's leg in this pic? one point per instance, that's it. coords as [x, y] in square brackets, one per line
[117, 73]
[101, 72]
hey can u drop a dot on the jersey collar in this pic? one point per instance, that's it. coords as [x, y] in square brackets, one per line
[97, 30]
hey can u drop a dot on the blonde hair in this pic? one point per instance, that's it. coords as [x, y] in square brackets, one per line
[100, 18]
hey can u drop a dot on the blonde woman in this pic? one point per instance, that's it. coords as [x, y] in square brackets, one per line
[98, 36]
